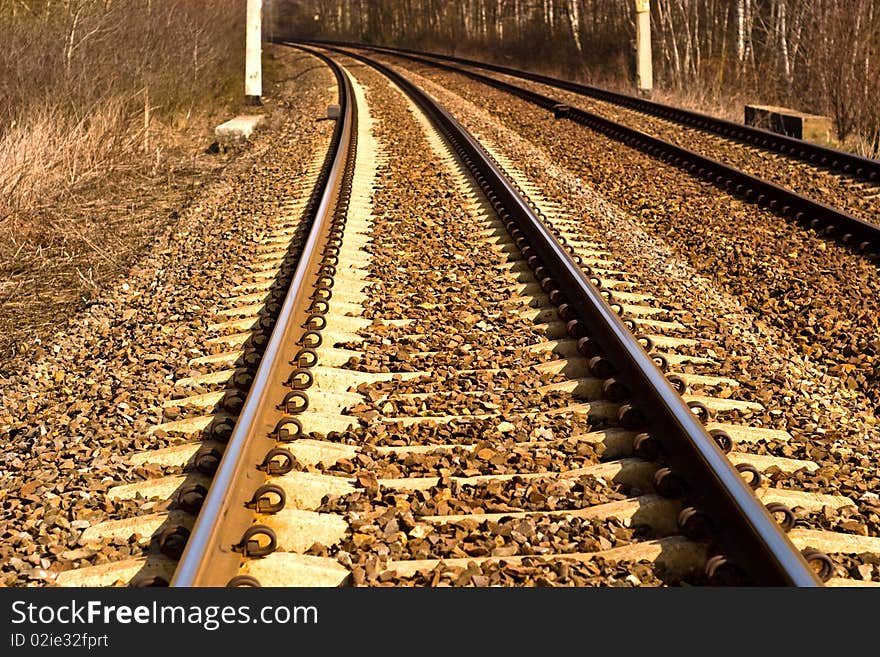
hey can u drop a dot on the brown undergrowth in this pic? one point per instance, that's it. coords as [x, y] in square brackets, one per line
[107, 113]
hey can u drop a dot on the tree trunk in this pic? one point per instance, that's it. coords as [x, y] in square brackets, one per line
[740, 30]
[783, 44]
[574, 22]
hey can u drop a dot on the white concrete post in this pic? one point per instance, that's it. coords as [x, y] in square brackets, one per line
[253, 82]
[644, 66]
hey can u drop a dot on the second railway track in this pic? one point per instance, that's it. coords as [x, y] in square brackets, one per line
[825, 189]
[835, 160]
[446, 399]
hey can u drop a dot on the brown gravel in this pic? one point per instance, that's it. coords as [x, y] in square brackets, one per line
[450, 497]
[838, 190]
[535, 572]
[461, 431]
[484, 457]
[449, 283]
[791, 316]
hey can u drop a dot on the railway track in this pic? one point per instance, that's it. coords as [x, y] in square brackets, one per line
[831, 158]
[825, 189]
[425, 381]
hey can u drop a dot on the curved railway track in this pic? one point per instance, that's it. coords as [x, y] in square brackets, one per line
[442, 386]
[739, 169]
[833, 159]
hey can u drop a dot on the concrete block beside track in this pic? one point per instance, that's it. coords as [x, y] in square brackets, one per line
[792, 123]
[241, 127]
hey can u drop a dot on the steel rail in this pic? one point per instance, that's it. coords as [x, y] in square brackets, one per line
[748, 533]
[212, 555]
[825, 156]
[844, 227]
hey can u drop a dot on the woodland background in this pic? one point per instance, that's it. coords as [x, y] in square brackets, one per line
[819, 56]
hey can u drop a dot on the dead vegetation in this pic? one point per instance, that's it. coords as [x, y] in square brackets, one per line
[106, 108]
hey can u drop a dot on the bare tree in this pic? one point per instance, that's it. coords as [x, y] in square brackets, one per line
[820, 55]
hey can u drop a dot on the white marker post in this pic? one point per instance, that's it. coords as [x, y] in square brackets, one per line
[253, 82]
[644, 67]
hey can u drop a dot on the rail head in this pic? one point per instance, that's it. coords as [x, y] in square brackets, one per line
[749, 533]
[213, 551]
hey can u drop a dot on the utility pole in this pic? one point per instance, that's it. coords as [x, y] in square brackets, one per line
[253, 82]
[644, 66]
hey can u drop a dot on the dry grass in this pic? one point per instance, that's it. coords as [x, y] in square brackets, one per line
[52, 154]
[105, 111]
[81, 84]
